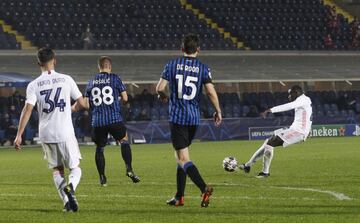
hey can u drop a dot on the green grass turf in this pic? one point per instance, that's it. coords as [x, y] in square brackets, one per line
[27, 193]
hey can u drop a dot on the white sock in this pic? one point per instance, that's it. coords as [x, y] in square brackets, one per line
[74, 177]
[60, 183]
[257, 155]
[268, 155]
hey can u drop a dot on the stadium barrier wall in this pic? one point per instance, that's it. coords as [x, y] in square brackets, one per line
[235, 129]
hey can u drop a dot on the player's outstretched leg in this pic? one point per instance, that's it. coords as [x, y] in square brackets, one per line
[257, 155]
[178, 200]
[100, 164]
[192, 171]
[127, 157]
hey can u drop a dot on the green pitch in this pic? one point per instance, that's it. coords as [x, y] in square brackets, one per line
[317, 181]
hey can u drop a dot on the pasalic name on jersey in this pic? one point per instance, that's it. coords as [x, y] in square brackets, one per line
[102, 81]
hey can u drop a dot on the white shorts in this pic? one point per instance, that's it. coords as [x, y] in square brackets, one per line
[289, 136]
[62, 153]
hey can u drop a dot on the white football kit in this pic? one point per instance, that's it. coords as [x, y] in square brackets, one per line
[300, 128]
[52, 92]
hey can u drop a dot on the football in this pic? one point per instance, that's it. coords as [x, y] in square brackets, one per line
[229, 164]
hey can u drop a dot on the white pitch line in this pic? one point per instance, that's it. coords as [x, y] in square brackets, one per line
[337, 195]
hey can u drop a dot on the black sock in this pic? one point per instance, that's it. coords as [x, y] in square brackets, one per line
[195, 176]
[100, 160]
[126, 155]
[180, 182]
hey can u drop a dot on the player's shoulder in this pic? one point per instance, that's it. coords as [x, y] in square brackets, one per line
[66, 76]
[305, 98]
[115, 75]
[205, 66]
[173, 61]
[115, 78]
[36, 81]
[33, 83]
[201, 64]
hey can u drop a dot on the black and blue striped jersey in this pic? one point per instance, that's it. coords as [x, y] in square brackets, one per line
[186, 75]
[103, 92]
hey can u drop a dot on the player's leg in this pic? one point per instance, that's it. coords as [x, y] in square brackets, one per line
[60, 183]
[192, 171]
[127, 157]
[118, 131]
[190, 168]
[282, 137]
[177, 139]
[99, 136]
[126, 153]
[54, 159]
[182, 137]
[257, 155]
[274, 141]
[178, 199]
[71, 157]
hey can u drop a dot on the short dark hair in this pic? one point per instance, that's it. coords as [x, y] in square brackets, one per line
[297, 89]
[190, 43]
[45, 55]
[104, 60]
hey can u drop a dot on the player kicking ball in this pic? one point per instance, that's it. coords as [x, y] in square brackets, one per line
[52, 92]
[102, 97]
[298, 131]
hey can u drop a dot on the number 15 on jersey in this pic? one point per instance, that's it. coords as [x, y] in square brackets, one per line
[189, 82]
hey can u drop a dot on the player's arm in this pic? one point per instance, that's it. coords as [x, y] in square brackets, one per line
[24, 119]
[124, 97]
[211, 93]
[81, 103]
[122, 90]
[285, 107]
[161, 90]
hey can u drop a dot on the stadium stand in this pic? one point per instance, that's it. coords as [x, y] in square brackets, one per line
[8, 41]
[114, 24]
[281, 24]
[154, 25]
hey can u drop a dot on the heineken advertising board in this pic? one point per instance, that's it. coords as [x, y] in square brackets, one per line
[257, 133]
